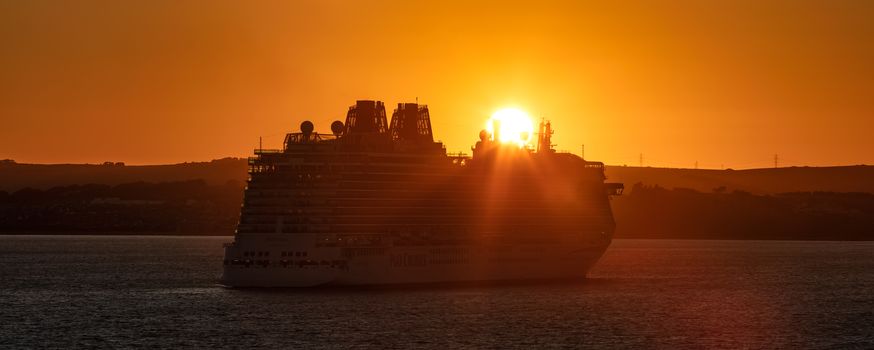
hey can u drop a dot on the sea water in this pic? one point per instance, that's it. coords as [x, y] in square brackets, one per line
[148, 291]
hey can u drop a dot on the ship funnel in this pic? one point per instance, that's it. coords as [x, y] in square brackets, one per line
[411, 122]
[366, 117]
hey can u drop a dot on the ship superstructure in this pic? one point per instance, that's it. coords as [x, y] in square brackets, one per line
[375, 202]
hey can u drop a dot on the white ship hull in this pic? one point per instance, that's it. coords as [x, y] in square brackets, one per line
[359, 266]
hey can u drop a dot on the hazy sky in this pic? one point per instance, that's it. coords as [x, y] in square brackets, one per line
[719, 82]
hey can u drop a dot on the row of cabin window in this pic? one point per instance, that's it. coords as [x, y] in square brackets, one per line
[294, 253]
[252, 253]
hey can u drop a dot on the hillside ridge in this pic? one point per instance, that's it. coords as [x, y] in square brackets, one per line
[856, 178]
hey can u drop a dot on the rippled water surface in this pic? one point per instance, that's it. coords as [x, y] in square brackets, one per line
[61, 291]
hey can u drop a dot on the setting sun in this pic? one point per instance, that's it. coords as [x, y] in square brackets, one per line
[514, 126]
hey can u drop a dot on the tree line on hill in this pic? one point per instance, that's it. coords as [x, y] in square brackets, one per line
[181, 207]
[197, 207]
[656, 212]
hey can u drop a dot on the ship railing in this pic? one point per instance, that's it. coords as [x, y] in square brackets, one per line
[267, 151]
[459, 158]
[297, 138]
[595, 165]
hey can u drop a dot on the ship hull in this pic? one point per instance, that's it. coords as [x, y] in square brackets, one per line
[373, 266]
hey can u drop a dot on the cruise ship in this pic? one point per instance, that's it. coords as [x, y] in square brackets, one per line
[379, 203]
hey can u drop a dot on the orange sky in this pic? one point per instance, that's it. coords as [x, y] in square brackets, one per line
[719, 82]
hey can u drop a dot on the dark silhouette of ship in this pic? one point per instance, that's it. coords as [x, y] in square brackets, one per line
[378, 203]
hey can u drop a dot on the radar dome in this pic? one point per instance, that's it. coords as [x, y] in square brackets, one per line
[337, 127]
[306, 127]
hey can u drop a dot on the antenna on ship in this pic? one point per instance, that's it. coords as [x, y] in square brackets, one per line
[260, 145]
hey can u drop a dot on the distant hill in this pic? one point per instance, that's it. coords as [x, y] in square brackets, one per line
[657, 212]
[14, 176]
[858, 178]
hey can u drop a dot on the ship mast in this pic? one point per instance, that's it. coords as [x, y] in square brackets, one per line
[544, 137]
